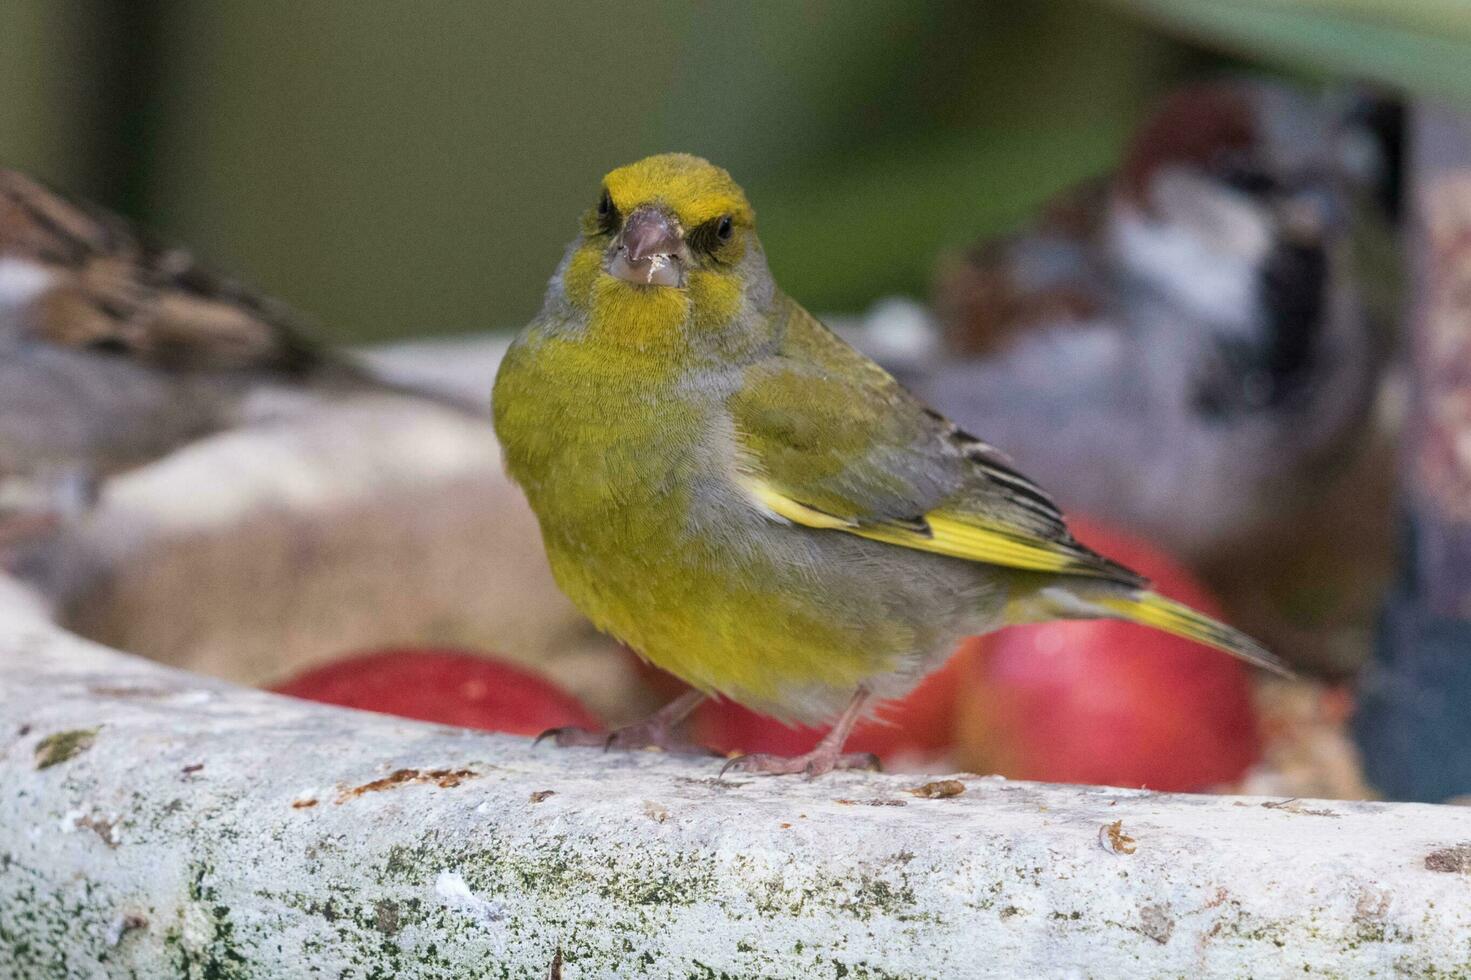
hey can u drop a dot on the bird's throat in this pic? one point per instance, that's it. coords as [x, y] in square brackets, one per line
[648, 318]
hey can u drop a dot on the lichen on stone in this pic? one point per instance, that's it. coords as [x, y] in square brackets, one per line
[58, 747]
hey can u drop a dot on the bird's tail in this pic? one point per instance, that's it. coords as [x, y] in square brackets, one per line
[1153, 609]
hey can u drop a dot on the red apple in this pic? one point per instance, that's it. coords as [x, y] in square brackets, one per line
[452, 687]
[1108, 702]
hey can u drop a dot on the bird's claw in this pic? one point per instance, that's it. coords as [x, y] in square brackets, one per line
[814, 763]
[572, 737]
[627, 739]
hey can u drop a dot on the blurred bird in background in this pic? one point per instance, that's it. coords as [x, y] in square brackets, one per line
[1185, 349]
[114, 353]
[132, 349]
[185, 473]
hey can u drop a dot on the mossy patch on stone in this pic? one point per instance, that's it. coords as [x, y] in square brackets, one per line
[58, 747]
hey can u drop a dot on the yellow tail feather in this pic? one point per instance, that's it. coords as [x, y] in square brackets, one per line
[1153, 609]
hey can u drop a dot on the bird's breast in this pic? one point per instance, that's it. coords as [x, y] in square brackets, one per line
[604, 451]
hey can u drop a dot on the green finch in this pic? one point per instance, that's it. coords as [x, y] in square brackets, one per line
[753, 505]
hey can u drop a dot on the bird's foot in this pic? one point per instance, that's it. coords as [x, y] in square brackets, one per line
[820, 760]
[656, 732]
[645, 735]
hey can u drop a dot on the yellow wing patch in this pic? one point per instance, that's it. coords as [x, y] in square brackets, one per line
[945, 534]
[976, 542]
[791, 510]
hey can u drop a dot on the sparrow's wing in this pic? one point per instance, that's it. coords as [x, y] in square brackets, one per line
[81, 278]
[829, 440]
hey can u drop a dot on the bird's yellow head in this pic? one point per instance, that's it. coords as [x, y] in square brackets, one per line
[668, 243]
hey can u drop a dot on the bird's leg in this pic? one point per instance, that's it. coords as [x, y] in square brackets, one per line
[825, 757]
[654, 732]
[19, 531]
[35, 510]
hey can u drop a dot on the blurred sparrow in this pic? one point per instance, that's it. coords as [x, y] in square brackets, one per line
[1181, 349]
[114, 352]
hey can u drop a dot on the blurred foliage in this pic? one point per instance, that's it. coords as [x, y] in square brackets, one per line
[1419, 46]
[399, 169]
[42, 95]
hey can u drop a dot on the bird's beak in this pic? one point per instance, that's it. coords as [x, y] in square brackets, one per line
[650, 251]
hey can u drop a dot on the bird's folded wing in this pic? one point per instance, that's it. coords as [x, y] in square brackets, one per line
[954, 535]
[828, 440]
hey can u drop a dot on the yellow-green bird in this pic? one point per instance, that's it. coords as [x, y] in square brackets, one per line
[753, 505]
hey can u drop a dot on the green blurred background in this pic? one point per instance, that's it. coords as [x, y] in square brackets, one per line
[398, 169]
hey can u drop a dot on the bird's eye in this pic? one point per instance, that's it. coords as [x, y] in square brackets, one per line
[708, 236]
[608, 217]
[1241, 172]
[1250, 180]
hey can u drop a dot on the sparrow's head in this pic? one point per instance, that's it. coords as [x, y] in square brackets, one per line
[670, 239]
[1226, 175]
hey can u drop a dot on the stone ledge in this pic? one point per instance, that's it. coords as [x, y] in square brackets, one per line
[154, 823]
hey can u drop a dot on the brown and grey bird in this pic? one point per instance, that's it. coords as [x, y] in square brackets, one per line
[1183, 348]
[114, 352]
[261, 499]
